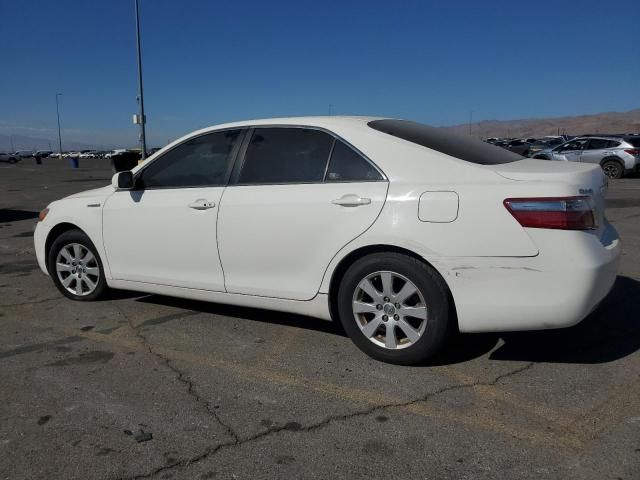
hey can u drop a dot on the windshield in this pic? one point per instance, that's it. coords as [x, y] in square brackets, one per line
[459, 146]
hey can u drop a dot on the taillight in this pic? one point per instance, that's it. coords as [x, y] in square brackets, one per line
[565, 213]
[633, 151]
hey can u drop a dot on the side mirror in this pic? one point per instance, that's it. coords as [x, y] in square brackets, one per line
[122, 181]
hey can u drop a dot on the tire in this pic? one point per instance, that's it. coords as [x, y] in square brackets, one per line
[73, 258]
[364, 320]
[12, 160]
[613, 169]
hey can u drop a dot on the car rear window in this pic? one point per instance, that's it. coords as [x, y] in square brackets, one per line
[459, 146]
[635, 141]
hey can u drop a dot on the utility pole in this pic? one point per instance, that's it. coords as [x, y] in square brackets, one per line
[58, 114]
[13, 149]
[470, 120]
[141, 119]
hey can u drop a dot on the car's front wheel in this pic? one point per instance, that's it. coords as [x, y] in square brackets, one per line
[394, 307]
[75, 267]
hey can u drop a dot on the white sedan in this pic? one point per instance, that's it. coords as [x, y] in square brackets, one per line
[400, 231]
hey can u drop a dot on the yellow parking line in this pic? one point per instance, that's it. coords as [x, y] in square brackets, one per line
[541, 432]
[274, 355]
[497, 393]
[474, 417]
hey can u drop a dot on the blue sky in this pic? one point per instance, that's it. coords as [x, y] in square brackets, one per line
[207, 62]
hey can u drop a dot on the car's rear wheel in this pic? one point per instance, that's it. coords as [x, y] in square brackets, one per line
[612, 169]
[76, 268]
[394, 307]
[12, 160]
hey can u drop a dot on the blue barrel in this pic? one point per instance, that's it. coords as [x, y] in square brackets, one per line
[74, 161]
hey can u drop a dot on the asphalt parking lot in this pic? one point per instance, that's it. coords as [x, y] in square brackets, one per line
[145, 386]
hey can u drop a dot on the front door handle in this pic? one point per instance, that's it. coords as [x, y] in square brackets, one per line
[202, 204]
[351, 200]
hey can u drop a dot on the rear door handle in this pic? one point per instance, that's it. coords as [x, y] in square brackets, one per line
[202, 204]
[351, 200]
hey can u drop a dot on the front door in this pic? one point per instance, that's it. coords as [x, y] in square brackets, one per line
[570, 151]
[300, 196]
[164, 231]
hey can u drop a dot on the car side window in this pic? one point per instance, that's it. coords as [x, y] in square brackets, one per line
[597, 144]
[286, 155]
[200, 162]
[612, 144]
[577, 145]
[347, 165]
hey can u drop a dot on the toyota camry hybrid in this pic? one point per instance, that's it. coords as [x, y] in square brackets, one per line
[400, 231]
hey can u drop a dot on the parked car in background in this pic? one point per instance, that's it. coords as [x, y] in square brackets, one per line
[24, 153]
[9, 157]
[519, 146]
[114, 152]
[88, 154]
[616, 155]
[378, 215]
[543, 144]
[502, 143]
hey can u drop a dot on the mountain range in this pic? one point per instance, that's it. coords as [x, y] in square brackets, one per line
[607, 122]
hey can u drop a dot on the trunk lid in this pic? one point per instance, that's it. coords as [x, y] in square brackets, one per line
[582, 179]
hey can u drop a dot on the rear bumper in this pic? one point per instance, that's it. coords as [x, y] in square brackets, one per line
[558, 288]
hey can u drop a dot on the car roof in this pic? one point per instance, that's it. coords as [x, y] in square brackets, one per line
[327, 121]
[597, 138]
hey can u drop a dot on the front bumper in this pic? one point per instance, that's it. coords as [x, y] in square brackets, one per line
[39, 240]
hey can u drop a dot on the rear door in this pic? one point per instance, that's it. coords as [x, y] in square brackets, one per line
[598, 148]
[298, 196]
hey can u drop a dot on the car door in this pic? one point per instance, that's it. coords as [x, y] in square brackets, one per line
[164, 231]
[299, 195]
[570, 151]
[596, 149]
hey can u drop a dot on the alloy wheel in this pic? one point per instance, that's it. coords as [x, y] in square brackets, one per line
[611, 170]
[389, 310]
[77, 269]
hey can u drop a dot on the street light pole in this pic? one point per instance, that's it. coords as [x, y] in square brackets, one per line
[142, 120]
[58, 114]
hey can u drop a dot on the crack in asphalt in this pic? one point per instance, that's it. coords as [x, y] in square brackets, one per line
[296, 427]
[181, 377]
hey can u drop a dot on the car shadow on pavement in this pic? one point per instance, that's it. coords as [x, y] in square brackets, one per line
[10, 215]
[610, 333]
